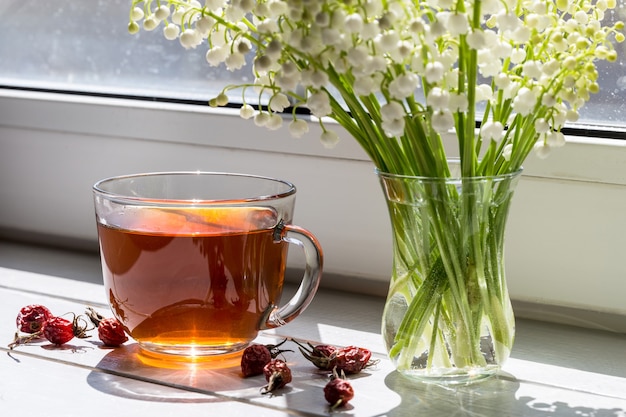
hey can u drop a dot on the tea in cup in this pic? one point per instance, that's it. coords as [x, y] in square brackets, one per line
[194, 262]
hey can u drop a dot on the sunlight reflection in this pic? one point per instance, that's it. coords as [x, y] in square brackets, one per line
[568, 378]
[342, 336]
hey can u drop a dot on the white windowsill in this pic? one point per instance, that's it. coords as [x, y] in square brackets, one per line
[554, 369]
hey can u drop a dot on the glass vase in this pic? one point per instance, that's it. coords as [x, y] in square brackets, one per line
[448, 316]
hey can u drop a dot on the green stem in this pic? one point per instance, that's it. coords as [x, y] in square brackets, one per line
[421, 308]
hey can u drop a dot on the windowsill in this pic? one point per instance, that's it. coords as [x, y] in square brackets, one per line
[554, 369]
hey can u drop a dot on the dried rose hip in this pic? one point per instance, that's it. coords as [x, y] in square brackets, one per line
[254, 359]
[58, 330]
[31, 318]
[325, 351]
[256, 356]
[338, 391]
[350, 359]
[277, 374]
[319, 355]
[111, 332]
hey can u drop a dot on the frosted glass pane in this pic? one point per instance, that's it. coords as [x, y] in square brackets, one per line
[85, 46]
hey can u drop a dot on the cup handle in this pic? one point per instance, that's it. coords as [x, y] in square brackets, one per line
[314, 258]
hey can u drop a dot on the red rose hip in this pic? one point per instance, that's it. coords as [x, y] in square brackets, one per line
[111, 332]
[319, 355]
[277, 374]
[254, 359]
[338, 392]
[58, 330]
[350, 359]
[32, 318]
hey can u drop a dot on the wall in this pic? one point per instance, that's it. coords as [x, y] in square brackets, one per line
[564, 243]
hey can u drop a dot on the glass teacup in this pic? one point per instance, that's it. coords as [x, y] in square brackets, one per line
[194, 262]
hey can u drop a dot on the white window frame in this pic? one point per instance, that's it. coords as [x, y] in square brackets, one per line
[564, 242]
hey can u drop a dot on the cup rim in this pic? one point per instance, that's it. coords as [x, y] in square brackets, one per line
[97, 188]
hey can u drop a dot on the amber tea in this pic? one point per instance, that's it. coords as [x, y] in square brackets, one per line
[200, 277]
[194, 263]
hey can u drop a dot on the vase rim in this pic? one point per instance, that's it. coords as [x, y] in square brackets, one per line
[453, 178]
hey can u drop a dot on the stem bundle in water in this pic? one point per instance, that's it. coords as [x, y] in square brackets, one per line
[448, 314]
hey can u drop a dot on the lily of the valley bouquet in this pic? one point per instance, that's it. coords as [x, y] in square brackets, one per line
[503, 76]
[397, 74]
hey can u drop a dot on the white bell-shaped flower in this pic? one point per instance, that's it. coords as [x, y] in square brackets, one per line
[391, 111]
[492, 131]
[434, 71]
[279, 102]
[274, 122]
[394, 127]
[136, 14]
[190, 38]
[555, 139]
[162, 12]
[216, 55]
[287, 82]
[404, 86]
[392, 114]
[298, 128]
[542, 150]
[484, 92]
[329, 139]
[246, 111]
[235, 61]
[477, 39]
[541, 125]
[261, 119]
[532, 69]
[319, 104]
[171, 31]
[458, 24]
[353, 23]
[150, 23]
[524, 101]
[458, 102]
[438, 99]
[364, 86]
[267, 26]
[507, 151]
[442, 121]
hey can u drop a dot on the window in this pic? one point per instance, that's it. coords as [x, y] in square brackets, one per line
[566, 233]
[85, 46]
